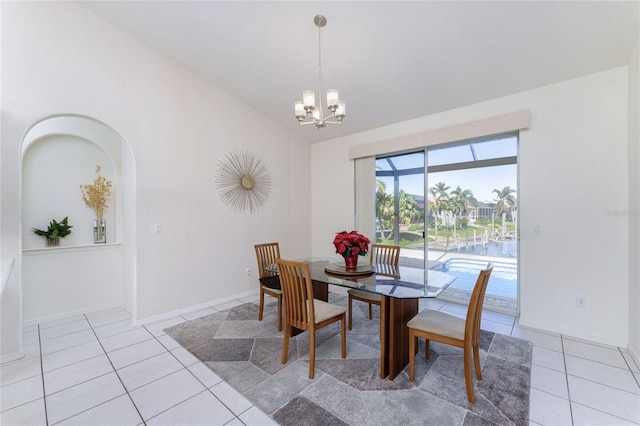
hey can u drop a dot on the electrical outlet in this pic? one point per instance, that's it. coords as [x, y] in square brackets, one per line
[537, 230]
[581, 301]
[247, 272]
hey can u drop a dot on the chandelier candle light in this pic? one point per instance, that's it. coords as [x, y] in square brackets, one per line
[306, 111]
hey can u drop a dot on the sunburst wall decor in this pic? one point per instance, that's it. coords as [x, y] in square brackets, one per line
[243, 181]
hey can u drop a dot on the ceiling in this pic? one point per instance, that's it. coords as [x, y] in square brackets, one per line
[391, 60]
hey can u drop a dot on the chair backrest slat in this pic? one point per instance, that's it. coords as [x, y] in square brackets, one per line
[474, 314]
[266, 254]
[297, 291]
[382, 254]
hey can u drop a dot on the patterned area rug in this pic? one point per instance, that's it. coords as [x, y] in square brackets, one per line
[247, 353]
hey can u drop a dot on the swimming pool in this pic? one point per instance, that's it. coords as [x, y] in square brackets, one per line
[503, 281]
[508, 249]
[492, 248]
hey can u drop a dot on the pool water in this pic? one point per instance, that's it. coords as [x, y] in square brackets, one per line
[507, 249]
[492, 248]
[502, 283]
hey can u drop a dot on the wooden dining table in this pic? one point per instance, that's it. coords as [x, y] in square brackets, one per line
[400, 287]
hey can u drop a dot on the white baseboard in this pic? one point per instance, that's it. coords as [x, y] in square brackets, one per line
[63, 315]
[575, 334]
[210, 304]
[11, 357]
[634, 354]
[147, 320]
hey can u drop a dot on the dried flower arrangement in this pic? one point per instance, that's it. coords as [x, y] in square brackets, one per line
[95, 196]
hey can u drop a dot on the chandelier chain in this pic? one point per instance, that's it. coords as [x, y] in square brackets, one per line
[320, 69]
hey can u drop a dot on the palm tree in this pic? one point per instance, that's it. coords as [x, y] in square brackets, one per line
[440, 201]
[384, 208]
[464, 200]
[440, 190]
[506, 201]
[408, 208]
[457, 204]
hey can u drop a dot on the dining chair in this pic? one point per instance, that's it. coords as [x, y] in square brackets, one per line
[380, 254]
[304, 312]
[451, 330]
[266, 254]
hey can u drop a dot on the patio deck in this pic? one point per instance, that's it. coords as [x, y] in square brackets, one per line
[491, 302]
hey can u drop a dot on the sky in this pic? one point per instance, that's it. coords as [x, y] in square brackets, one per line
[481, 181]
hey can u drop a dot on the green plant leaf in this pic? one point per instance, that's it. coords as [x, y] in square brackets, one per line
[55, 229]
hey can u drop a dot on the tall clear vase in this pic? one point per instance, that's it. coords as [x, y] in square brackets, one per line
[99, 234]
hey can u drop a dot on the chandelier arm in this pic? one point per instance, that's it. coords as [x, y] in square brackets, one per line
[306, 123]
[320, 124]
[337, 121]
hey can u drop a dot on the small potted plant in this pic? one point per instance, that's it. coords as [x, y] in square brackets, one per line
[55, 231]
[350, 245]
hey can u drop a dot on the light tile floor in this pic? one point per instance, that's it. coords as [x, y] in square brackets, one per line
[97, 369]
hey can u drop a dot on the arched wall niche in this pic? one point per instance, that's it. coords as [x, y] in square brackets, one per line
[60, 153]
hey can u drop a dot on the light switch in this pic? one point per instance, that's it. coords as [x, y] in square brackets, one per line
[157, 228]
[536, 229]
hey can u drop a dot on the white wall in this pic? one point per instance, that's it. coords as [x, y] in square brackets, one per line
[60, 154]
[634, 202]
[58, 282]
[53, 170]
[573, 174]
[58, 58]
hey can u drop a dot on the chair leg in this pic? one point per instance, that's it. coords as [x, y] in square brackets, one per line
[312, 353]
[261, 305]
[350, 312]
[279, 312]
[476, 358]
[427, 350]
[343, 331]
[285, 345]
[412, 354]
[468, 378]
[370, 312]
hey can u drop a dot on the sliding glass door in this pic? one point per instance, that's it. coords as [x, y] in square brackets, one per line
[457, 218]
[400, 206]
[473, 216]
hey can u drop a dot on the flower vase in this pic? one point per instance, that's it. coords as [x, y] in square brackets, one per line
[53, 242]
[99, 235]
[351, 262]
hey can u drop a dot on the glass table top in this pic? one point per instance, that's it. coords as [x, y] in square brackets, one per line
[402, 282]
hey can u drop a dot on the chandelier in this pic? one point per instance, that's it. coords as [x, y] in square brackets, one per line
[306, 111]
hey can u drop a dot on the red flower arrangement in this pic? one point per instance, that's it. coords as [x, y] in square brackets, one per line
[351, 243]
